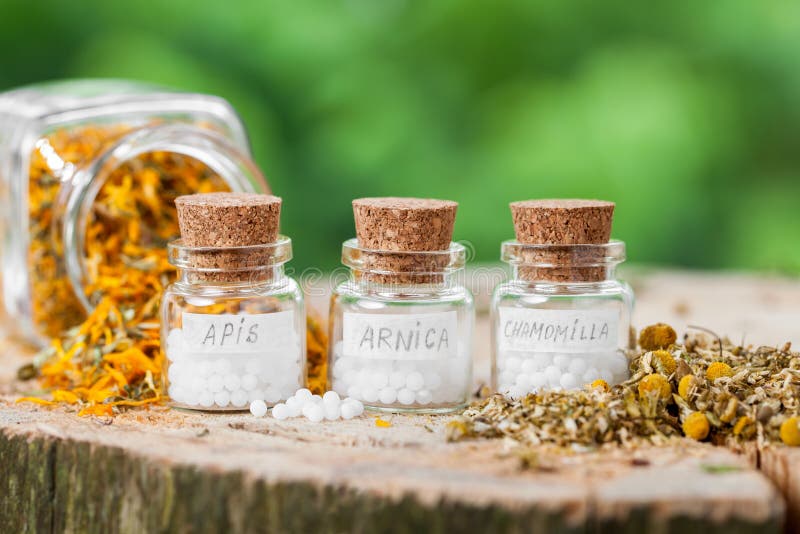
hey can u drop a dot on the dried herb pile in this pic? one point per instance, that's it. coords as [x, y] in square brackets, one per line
[707, 389]
[130, 223]
[112, 358]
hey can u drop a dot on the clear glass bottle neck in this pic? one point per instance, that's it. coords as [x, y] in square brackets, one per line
[563, 264]
[268, 277]
[400, 272]
[564, 275]
[405, 283]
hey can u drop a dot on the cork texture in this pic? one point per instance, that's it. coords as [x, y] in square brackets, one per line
[563, 222]
[400, 224]
[229, 220]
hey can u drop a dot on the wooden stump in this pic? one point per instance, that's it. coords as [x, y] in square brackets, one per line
[160, 470]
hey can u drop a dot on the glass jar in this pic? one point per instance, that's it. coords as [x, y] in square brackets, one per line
[232, 335]
[88, 173]
[402, 341]
[563, 320]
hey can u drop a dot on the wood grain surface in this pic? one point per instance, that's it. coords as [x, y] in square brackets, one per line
[161, 470]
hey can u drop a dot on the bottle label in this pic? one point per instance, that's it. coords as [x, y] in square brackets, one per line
[239, 333]
[568, 331]
[413, 336]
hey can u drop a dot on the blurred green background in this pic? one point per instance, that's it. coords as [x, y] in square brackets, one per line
[687, 114]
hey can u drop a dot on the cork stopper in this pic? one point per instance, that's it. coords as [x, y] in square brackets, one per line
[404, 225]
[228, 219]
[225, 221]
[563, 222]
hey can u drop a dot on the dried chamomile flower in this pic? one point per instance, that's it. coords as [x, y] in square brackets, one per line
[755, 402]
[696, 426]
[790, 431]
[599, 384]
[743, 426]
[686, 384]
[657, 336]
[728, 410]
[718, 370]
[663, 361]
[655, 384]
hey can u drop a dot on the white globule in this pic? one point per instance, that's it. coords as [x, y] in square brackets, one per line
[314, 412]
[216, 383]
[331, 396]
[387, 395]
[415, 381]
[222, 398]
[258, 408]
[529, 366]
[348, 411]
[424, 396]
[271, 395]
[281, 411]
[232, 382]
[519, 373]
[329, 407]
[333, 410]
[249, 382]
[406, 384]
[406, 396]
[294, 407]
[228, 381]
[303, 394]
[397, 379]
[239, 398]
[369, 394]
[577, 366]
[205, 399]
[553, 375]
[569, 381]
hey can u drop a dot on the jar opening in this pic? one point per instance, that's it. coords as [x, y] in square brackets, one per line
[191, 157]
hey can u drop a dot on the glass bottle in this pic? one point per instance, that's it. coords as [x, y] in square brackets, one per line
[233, 334]
[66, 149]
[402, 341]
[554, 327]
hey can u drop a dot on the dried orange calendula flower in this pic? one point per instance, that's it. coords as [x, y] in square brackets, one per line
[129, 224]
[316, 355]
[655, 385]
[718, 370]
[664, 362]
[790, 431]
[382, 423]
[113, 358]
[696, 426]
[657, 336]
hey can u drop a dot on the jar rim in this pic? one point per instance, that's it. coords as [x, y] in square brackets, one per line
[377, 261]
[234, 166]
[546, 256]
[264, 256]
